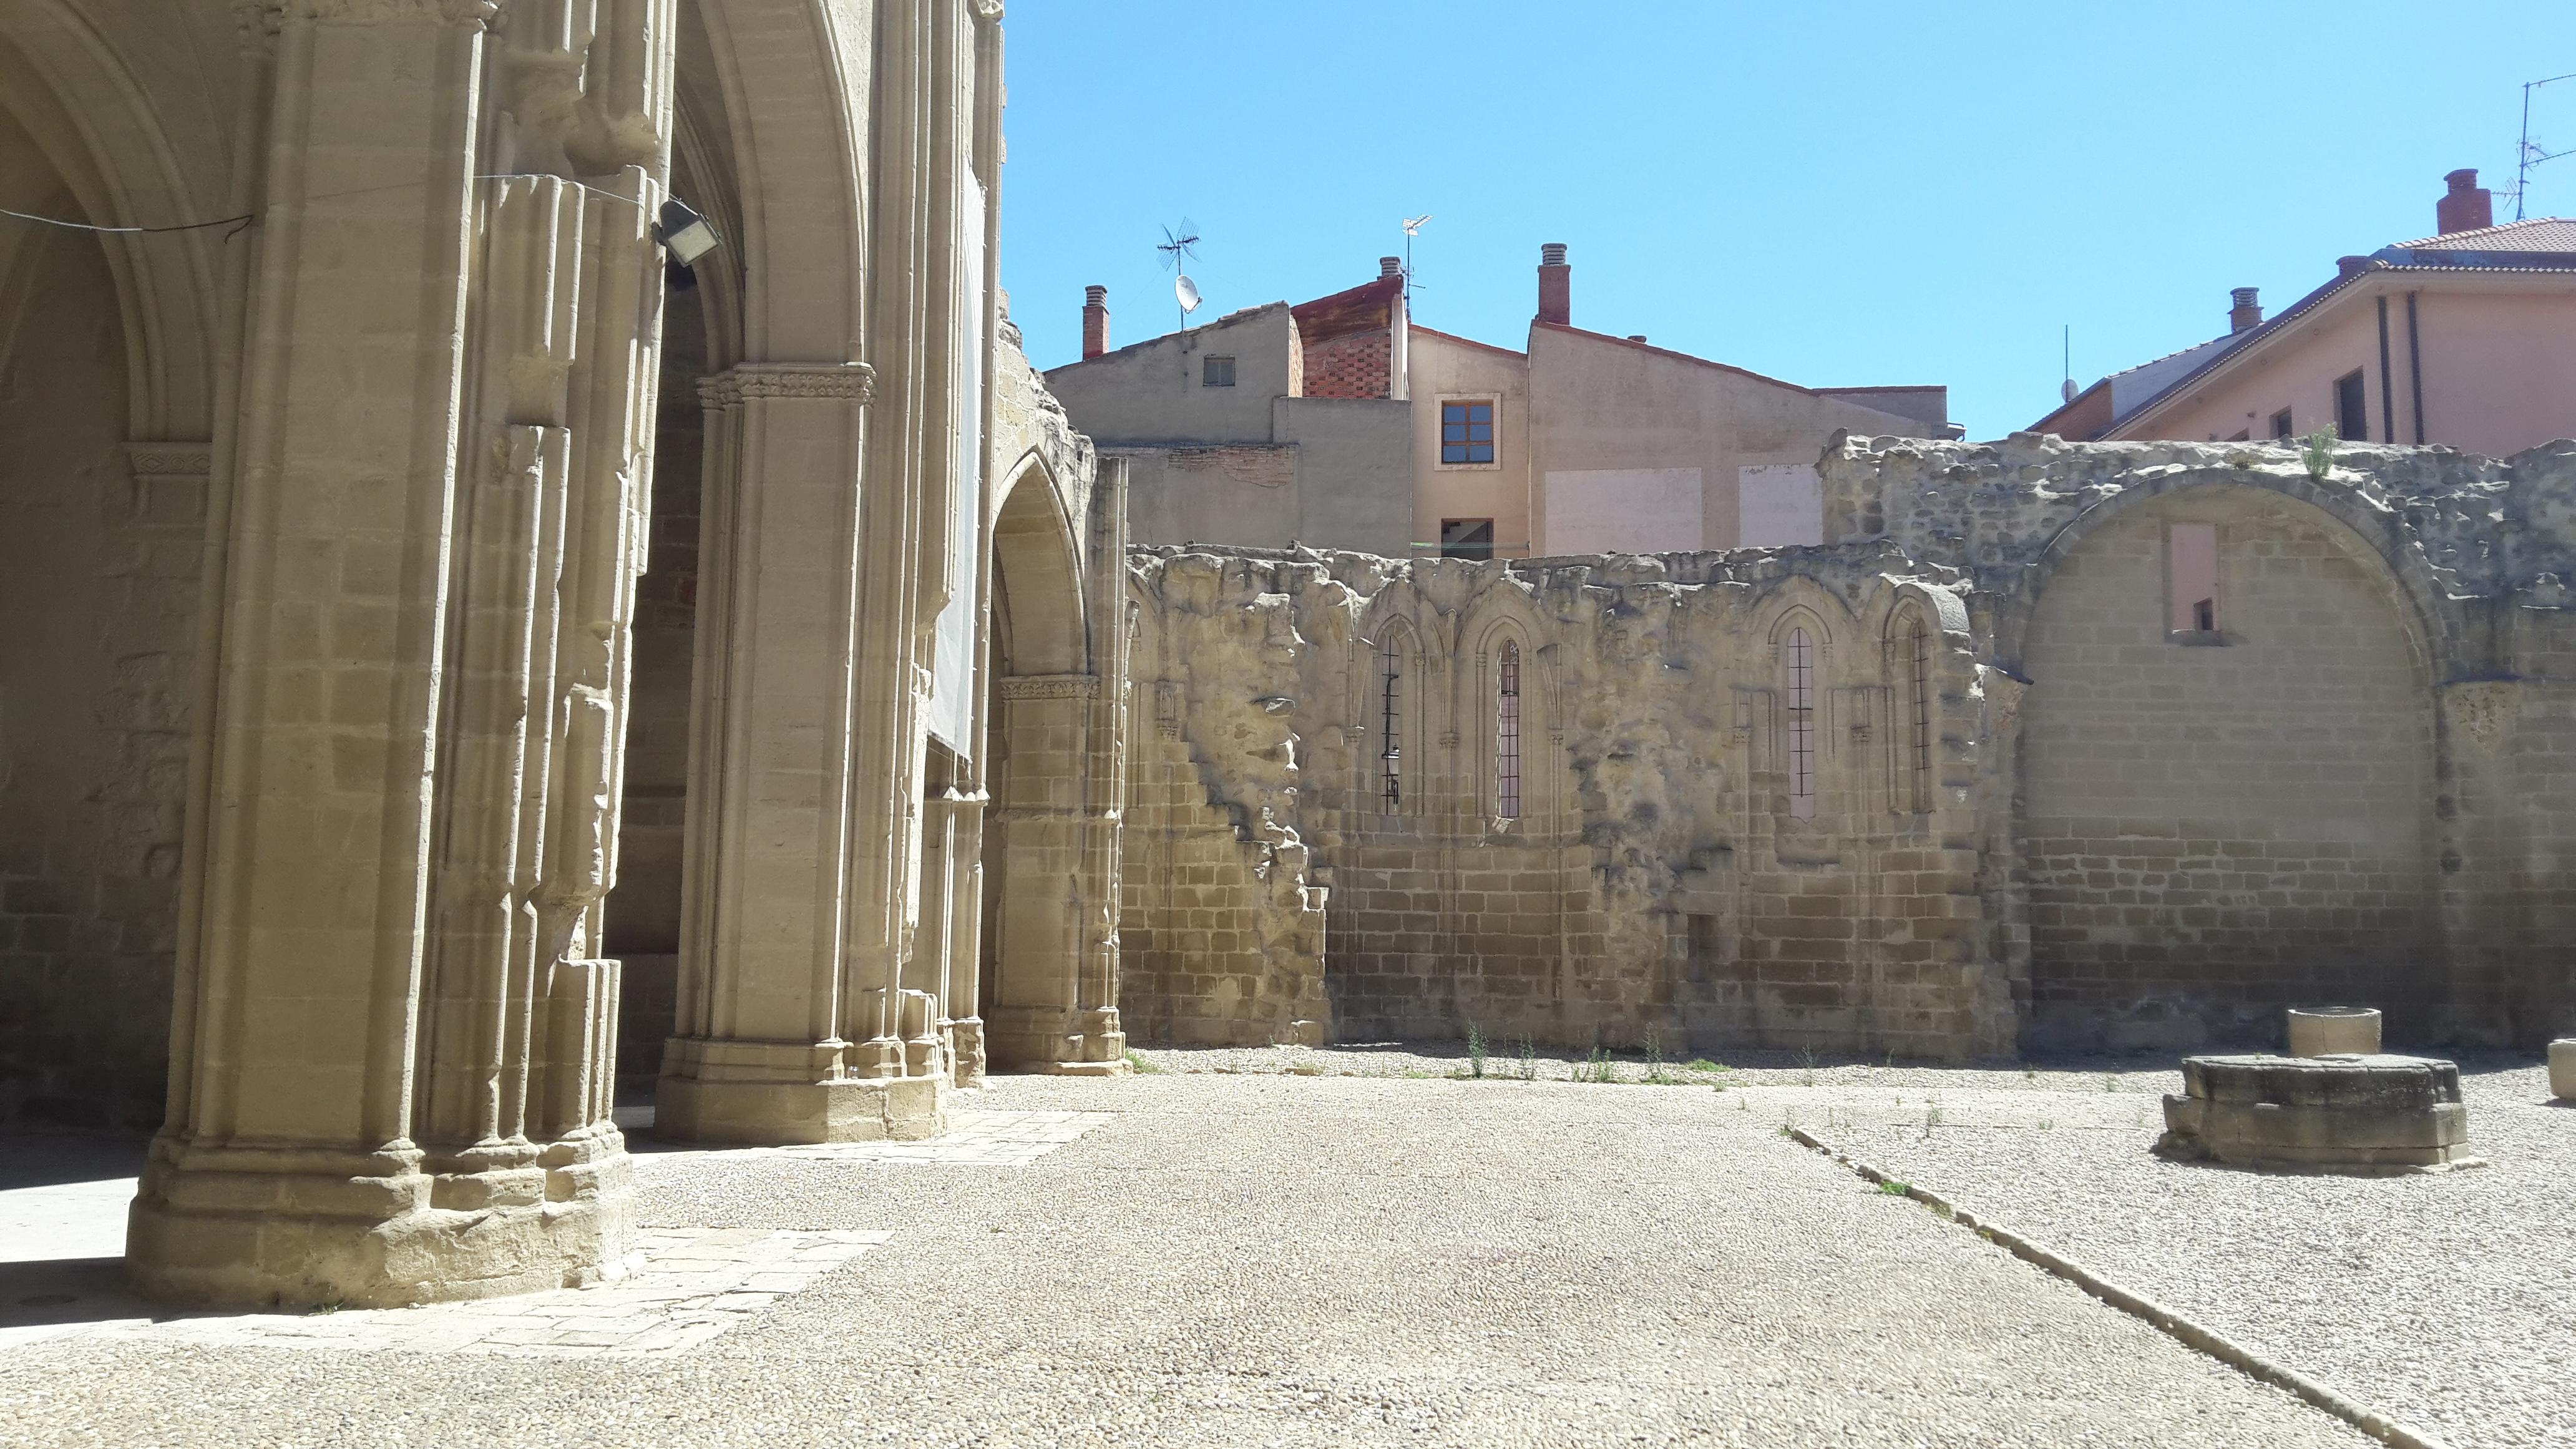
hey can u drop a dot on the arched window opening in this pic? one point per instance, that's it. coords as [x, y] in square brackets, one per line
[1917, 646]
[1802, 725]
[1390, 759]
[1507, 733]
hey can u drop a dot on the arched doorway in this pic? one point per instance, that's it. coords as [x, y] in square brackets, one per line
[1041, 967]
[2227, 772]
[100, 548]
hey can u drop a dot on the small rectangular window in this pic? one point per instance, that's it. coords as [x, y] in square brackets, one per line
[1466, 432]
[2282, 427]
[1466, 538]
[2352, 409]
[2191, 578]
[1216, 372]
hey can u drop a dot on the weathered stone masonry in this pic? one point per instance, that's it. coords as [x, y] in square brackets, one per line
[2054, 822]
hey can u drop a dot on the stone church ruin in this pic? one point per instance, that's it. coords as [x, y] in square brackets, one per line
[466, 665]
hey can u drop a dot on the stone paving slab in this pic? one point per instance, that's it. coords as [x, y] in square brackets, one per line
[682, 1288]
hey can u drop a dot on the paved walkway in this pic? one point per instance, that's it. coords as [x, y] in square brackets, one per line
[1244, 1260]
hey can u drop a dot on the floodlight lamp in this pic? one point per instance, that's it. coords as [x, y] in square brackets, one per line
[688, 235]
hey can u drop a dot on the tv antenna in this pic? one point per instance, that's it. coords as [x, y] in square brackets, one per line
[1179, 248]
[2066, 357]
[1412, 228]
[2529, 154]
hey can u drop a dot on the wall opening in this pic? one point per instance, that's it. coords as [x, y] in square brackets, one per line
[1507, 732]
[1800, 702]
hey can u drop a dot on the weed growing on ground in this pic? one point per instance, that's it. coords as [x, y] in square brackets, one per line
[2030, 1074]
[1807, 1078]
[1655, 1073]
[1529, 1061]
[1416, 1073]
[1931, 1114]
[1136, 1063]
[1598, 1067]
[1475, 1050]
[2045, 1124]
[1742, 1104]
[1703, 1064]
[2110, 1081]
[1893, 1188]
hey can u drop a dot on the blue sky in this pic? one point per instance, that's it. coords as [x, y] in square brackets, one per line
[1836, 194]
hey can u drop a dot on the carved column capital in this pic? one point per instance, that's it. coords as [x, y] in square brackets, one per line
[174, 458]
[987, 11]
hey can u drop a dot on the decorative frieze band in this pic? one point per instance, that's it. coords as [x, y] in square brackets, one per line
[842, 380]
[1048, 686]
[170, 458]
[394, 12]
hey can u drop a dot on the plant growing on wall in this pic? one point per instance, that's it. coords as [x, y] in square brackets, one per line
[2317, 450]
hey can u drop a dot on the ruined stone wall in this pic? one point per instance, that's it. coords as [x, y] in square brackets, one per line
[99, 560]
[2353, 790]
[1660, 880]
[2084, 827]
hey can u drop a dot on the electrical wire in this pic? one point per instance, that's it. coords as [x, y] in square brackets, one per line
[234, 221]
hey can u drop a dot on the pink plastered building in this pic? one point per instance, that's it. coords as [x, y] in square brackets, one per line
[2466, 338]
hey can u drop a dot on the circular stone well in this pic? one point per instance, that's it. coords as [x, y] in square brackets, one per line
[2319, 1114]
[2323, 1031]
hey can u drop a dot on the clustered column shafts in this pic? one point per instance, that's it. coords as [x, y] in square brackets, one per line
[390, 1004]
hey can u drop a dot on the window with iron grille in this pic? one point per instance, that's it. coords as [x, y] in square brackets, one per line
[1467, 432]
[1802, 725]
[1507, 733]
[1390, 759]
[1216, 372]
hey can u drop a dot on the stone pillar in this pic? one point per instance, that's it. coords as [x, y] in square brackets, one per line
[390, 1074]
[826, 560]
[775, 1038]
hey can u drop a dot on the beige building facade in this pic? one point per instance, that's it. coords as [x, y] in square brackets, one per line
[356, 520]
[1344, 423]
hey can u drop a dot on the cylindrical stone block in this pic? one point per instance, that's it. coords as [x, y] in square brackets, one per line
[2318, 1031]
[2562, 1069]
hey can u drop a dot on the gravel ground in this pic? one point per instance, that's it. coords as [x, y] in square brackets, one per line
[1241, 1260]
[2448, 1301]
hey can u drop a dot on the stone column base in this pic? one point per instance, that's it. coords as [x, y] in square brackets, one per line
[1057, 1040]
[384, 1229]
[778, 1093]
[966, 1049]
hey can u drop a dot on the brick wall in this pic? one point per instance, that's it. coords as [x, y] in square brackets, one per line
[2215, 833]
[1356, 364]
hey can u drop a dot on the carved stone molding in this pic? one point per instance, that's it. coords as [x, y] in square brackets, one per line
[172, 458]
[1048, 686]
[848, 381]
[394, 12]
[2483, 709]
[986, 10]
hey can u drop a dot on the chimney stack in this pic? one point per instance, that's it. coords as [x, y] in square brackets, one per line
[2347, 266]
[1095, 322]
[1555, 285]
[2247, 314]
[2467, 206]
[1389, 267]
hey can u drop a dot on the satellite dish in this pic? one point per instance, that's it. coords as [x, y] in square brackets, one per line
[2068, 389]
[1187, 291]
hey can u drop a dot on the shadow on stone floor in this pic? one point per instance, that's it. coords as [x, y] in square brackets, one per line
[49, 1159]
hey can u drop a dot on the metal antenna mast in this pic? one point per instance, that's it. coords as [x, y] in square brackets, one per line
[1179, 248]
[2527, 155]
[1412, 228]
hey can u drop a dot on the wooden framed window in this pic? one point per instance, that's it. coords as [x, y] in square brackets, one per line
[2352, 407]
[1466, 538]
[1467, 431]
[1216, 372]
[1800, 698]
[1507, 732]
[2282, 427]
